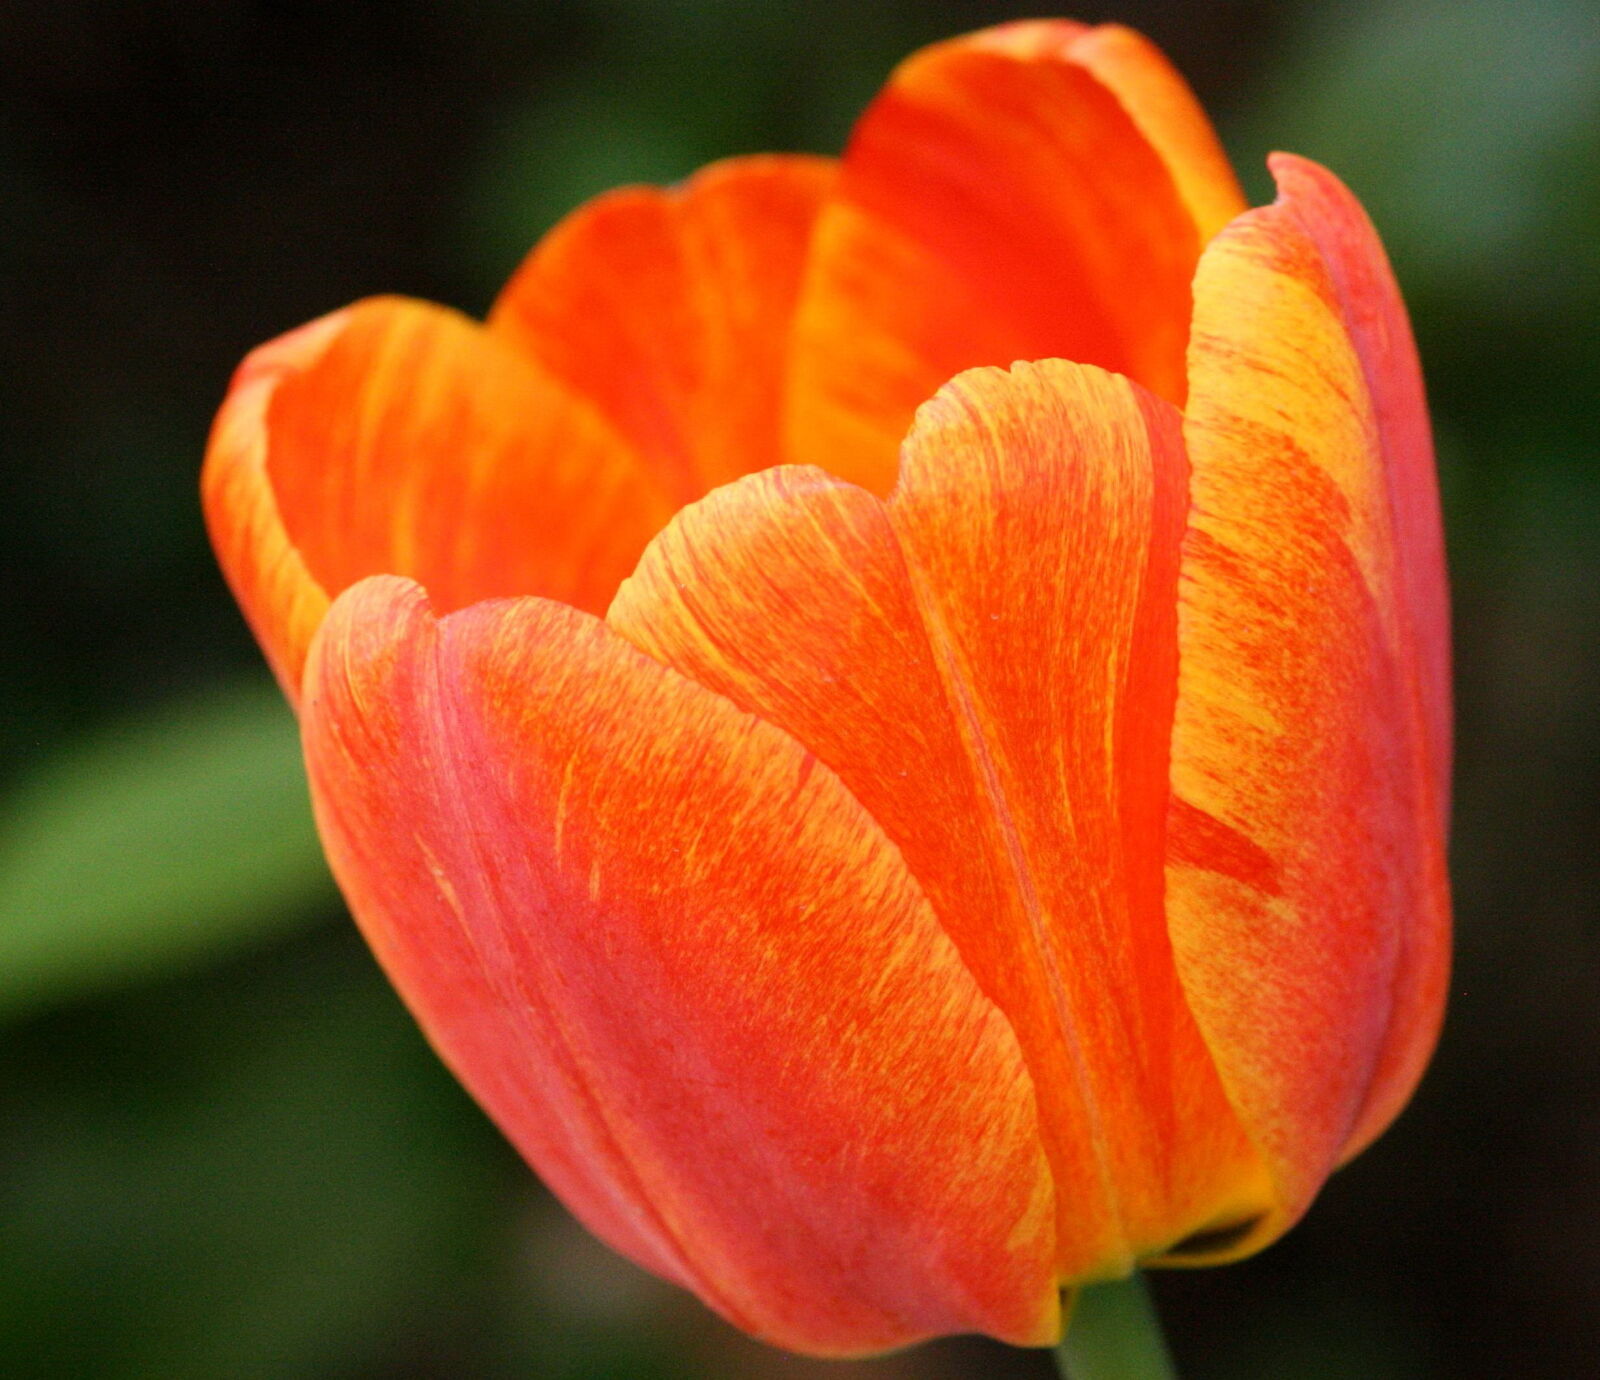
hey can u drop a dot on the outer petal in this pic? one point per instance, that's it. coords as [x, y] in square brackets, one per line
[1307, 890]
[1375, 317]
[1380, 331]
[987, 661]
[997, 202]
[399, 437]
[685, 972]
[671, 311]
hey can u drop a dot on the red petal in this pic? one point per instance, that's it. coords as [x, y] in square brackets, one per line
[987, 661]
[1307, 889]
[996, 202]
[670, 310]
[684, 971]
[399, 437]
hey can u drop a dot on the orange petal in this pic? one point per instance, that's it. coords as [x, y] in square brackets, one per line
[987, 660]
[280, 598]
[996, 202]
[1165, 109]
[1153, 93]
[1307, 890]
[670, 310]
[684, 970]
[399, 437]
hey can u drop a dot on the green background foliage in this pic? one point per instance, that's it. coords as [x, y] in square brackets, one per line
[224, 1148]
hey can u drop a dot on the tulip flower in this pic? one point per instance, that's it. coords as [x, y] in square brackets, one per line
[890, 717]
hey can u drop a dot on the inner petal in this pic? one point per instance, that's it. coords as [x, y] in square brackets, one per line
[995, 203]
[670, 309]
[416, 444]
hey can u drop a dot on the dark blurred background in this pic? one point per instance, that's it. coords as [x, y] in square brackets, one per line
[224, 1149]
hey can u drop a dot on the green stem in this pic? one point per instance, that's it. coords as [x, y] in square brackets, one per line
[1115, 1335]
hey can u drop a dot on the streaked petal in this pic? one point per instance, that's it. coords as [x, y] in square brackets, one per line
[282, 601]
[684, 970]
[1375, 317]
[1307, 893]
[987, 660]
[670, 310]
[996, 202]
[1379, 329]
[399, 437]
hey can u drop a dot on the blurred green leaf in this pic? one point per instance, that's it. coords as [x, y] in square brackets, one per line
[262, 1179]
[168, 840]
[1448, 118]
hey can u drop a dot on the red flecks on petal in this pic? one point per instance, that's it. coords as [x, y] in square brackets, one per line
[684, 970]
[987, 660]
[1310, 911]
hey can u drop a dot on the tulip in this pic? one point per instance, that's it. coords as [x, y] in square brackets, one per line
[888, 831]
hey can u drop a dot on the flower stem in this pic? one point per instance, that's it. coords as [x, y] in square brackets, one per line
[1115, 1335]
